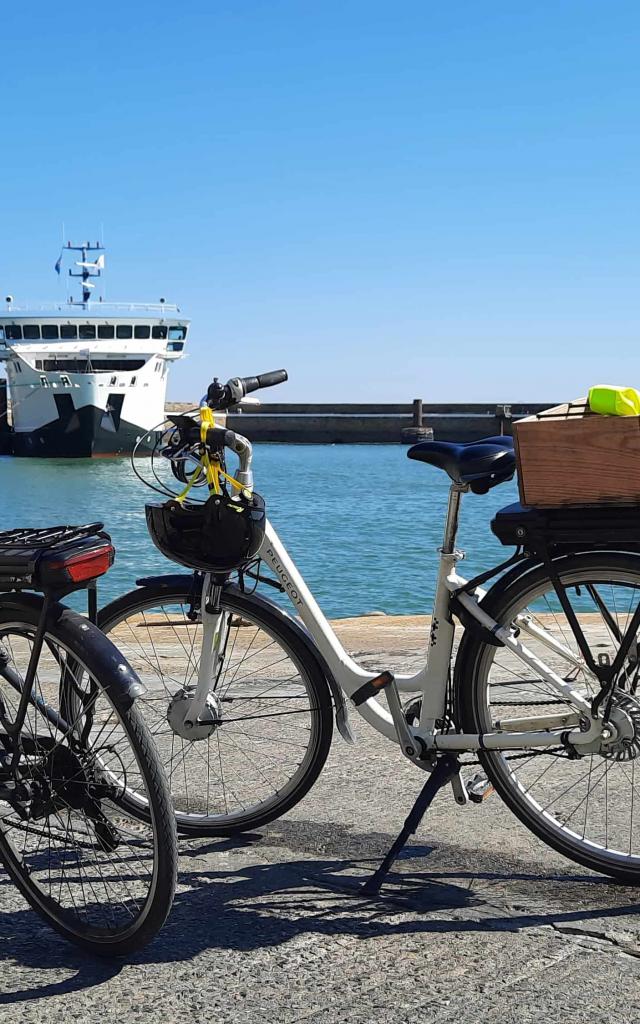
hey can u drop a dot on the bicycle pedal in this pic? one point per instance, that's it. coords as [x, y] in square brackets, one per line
[479, 788]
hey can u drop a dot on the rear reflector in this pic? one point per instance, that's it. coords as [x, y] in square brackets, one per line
[86, 566]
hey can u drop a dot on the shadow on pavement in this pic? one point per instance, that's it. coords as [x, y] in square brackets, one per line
[249, 904]
[27, 943]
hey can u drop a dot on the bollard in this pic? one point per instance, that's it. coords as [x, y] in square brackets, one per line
[416, 432]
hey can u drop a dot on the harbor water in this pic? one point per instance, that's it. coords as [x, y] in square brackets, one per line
[362, 522]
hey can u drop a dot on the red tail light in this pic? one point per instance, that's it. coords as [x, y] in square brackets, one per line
[86, 565]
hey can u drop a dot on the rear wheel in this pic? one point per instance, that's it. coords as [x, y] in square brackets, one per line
[98, 875]
[269, 707]
[587, 807]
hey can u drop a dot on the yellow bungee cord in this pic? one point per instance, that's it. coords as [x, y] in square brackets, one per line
[210, 467]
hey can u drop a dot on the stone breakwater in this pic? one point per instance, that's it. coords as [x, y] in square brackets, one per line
[330, 423]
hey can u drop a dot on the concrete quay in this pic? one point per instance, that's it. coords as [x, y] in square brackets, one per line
[479, 922]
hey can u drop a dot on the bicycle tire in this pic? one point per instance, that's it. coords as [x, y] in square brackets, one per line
[556, 823]
[113, 619]
[125, 931]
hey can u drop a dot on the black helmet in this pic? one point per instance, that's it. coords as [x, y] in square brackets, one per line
[217, 536]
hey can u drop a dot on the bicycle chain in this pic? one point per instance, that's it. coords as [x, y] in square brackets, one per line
[523, 756]
[527, 704]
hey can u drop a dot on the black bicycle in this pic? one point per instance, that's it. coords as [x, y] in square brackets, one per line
[72, 745]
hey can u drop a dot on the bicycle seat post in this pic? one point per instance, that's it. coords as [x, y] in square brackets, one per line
[451, 522]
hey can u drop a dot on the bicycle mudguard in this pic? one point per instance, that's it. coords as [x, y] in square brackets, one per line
[528, 564]
[174, 579]
[117, 672]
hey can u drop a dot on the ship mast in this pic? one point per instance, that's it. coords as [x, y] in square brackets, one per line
[89, 268]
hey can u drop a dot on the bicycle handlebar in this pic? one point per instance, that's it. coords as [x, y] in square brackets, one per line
[188, 435]
[264, 380]
[222, 396]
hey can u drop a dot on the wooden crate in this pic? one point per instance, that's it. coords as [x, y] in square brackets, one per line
[570, 456]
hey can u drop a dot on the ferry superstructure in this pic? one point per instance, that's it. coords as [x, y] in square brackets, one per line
[88, 377]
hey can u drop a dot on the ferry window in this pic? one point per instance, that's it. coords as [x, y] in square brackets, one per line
[124, 331]
[106, 331]
[1, 333]
[31, 332]
[159, 331]
[64, 380]
[49, 332]
[17, 367]
[86, 331]
[133, 381]
[177, 333]
[117, 364]
[68, 331]
[175, 346]
[113, 380]
[13, 332]
[142, 331]
[44, 381]
[39, 364]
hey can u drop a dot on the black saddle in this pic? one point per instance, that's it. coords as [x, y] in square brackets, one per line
[481, 464]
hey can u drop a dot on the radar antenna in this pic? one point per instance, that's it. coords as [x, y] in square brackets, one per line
[89, 268]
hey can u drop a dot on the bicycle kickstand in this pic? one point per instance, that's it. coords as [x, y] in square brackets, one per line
[447, 767]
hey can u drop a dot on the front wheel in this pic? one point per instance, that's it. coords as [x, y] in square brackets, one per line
[269, 708]
[585, 806]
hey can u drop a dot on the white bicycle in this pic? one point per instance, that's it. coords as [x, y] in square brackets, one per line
[241, 696]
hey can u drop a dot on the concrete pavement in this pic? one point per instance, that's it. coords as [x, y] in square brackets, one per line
[478, 922]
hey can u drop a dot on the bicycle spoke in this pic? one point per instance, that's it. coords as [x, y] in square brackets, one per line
[587, 801]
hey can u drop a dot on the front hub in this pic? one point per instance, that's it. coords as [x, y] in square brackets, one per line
[208, 720]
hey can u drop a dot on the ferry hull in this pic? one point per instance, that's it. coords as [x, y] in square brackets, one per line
[83, 435]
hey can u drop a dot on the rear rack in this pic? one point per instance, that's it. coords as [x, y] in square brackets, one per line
[46, 537]
[55, 559]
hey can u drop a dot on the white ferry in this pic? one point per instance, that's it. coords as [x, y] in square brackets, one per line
[87, 377]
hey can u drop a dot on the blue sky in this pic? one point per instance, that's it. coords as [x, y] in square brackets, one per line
[389, 199]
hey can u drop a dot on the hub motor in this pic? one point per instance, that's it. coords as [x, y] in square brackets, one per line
[208, 720]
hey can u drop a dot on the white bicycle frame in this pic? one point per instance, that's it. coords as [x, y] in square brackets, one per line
[578, 726]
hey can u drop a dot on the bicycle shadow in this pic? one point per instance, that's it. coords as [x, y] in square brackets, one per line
[249, 903]
[29, 943]
[270, 903]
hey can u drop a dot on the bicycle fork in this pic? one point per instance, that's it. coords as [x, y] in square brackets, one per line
[214, 633]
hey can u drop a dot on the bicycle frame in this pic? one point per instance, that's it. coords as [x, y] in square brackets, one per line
[431, 680]
[579, 727]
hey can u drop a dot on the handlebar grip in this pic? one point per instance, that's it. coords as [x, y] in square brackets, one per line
[264, 380]
[269, 380]
[217, 437]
